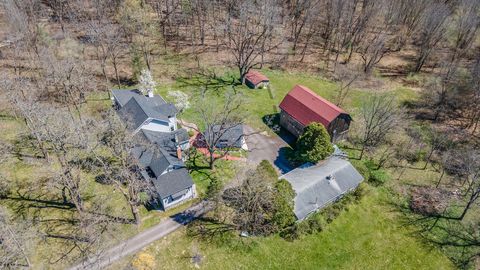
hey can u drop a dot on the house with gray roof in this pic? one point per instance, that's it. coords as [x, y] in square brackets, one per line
[171, 181]
[316, 186]
[154, 123]
[169, 141]
[228, 136]
[146, 112]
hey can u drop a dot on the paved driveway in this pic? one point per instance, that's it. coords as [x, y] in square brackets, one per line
[262, 146]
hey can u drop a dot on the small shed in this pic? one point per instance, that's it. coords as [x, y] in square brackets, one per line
[255, 79]
[320, 185]
[301, 106]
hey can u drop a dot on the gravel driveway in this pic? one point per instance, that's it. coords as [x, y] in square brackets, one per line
[262, 146]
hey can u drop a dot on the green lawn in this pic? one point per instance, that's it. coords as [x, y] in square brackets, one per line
[258, 102]
[365, 236]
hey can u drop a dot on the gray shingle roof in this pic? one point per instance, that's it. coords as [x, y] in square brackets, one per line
[317, 186]
[157, 160]
[133, 114]
[167, 140]
[135, 108]
[124, 95]
[172, 183]
[144, 156]
[231, 135]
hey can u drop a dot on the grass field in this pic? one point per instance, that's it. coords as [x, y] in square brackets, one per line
[364, 236]
[258, 102]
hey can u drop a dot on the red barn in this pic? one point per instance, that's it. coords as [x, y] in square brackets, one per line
[301, 106]
[255, 79]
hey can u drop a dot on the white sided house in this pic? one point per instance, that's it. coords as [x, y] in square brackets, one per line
[148, 112]
[319, 185]
[171, 181]
[153, 121]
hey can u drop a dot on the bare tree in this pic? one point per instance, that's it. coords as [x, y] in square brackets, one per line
[251, 35]
[471, 171]
[108, 39]
[475, 97]
[137, 21]
[438, 90]
[219, 118]
[165, 11]
[437, 141]
[21, 95]
[301, 12]
[432, 30]
[254, 202]
[380, 115]
[346, 77]
[120, 166]
[466, 23]
[65, 80]
[373, 50]
[15, 242]
[60, 10]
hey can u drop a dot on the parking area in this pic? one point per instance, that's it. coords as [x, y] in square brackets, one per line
[269, 147]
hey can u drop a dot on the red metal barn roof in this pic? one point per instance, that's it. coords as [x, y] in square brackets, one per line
[307, 107]
[255, 77]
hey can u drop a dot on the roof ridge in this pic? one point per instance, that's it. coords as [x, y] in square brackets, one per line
[310, 91]
[334, 170]
[139, 105]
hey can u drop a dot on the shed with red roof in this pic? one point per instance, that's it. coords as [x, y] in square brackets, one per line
[301, 106]
[255, 79]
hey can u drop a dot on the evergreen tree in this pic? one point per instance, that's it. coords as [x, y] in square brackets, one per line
[314, 144]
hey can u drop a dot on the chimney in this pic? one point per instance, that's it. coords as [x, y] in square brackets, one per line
[179, 152]
[150, 92]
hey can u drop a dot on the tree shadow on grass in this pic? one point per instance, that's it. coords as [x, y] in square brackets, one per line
[208, 80]
[459, 241]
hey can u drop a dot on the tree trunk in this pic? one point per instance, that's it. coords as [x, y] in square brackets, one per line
[114, 62]
[135, 213]
[211, 159]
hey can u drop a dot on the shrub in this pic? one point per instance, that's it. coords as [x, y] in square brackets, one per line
[378, 177]
[284, 196]
[266, 167]
[360, 192]
[362, 169]
[144, 261]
